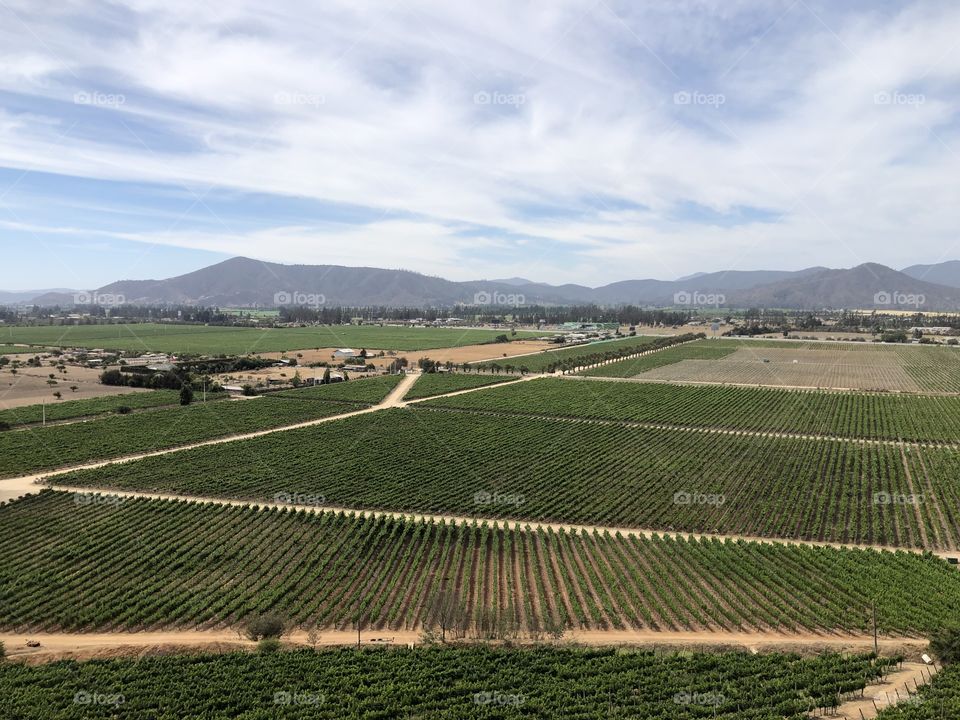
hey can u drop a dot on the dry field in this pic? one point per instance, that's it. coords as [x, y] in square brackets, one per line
[29, 386]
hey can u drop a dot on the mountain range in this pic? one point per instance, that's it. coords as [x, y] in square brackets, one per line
[242, 282]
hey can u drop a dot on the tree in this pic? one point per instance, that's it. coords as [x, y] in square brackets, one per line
[268, 625]
[326, 377]
[186, 395]
[945, 644]
[446, 609]
[74, 388]
[313, 636]
[58, 394]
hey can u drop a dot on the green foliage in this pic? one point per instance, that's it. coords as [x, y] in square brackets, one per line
[457, 683]
[945, 644]
[73, 409]
[269, 645]
[265, 627]
[440, 383]
[135, 564]
[186, 395]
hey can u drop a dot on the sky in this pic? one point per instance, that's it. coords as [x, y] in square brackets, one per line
[560, 141]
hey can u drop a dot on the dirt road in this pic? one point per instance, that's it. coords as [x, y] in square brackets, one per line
[896, 689]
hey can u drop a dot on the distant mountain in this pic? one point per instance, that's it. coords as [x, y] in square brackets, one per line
[866, 286]
[25, 296]
[242, 282]
[945, 273]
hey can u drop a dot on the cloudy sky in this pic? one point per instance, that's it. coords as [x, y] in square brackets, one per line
[564, 141]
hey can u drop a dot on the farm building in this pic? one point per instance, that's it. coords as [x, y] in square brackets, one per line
[345, 353]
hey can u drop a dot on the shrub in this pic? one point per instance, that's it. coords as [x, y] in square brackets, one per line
[268, 646]
[124, 410]
[945, 644]
[266, 626]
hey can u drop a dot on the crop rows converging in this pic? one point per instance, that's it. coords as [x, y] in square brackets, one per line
[36, 449]
[915, 418]
[76, 561]
[588, 354]
[443, 682]
[431, 384]
[699, 350]
[439, 461]
[71, 409]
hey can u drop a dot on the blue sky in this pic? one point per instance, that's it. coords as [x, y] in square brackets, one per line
[566, 141]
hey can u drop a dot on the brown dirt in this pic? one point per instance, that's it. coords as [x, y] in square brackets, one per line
[882, 695]
[29, 386]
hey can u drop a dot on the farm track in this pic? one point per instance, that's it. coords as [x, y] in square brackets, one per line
[57, 645]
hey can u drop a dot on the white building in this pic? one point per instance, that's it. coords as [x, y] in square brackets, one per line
[345, 353]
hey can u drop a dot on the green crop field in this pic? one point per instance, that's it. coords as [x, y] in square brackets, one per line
[442, 461]
[940, 700]
[853, 415]
[439, 682]
[580, 355]
[83, 562]
[369, 391]
[35, 449]
[215, 340]
[431, 384]
[700, 350]
[72, 409]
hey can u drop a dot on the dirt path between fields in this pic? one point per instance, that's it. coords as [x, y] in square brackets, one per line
[897, 688]
[55, 646]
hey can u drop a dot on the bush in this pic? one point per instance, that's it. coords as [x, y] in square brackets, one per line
[945, 645]
[269, 625]
[3, 651]
[186, 395]
[4, 425]
[268, 646]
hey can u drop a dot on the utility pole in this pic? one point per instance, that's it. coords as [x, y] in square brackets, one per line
[876, 649]
[44, 404]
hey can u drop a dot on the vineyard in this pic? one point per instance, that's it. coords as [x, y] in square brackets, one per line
[214, 340]
[431, 384]
[689, 480]
[937, 701]
[72, 409]
[369, 391]
[443, 682]
[82, 562]
[701, 350]
[859, 366]
[853, 415]
[42, 448]
[589, 354]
